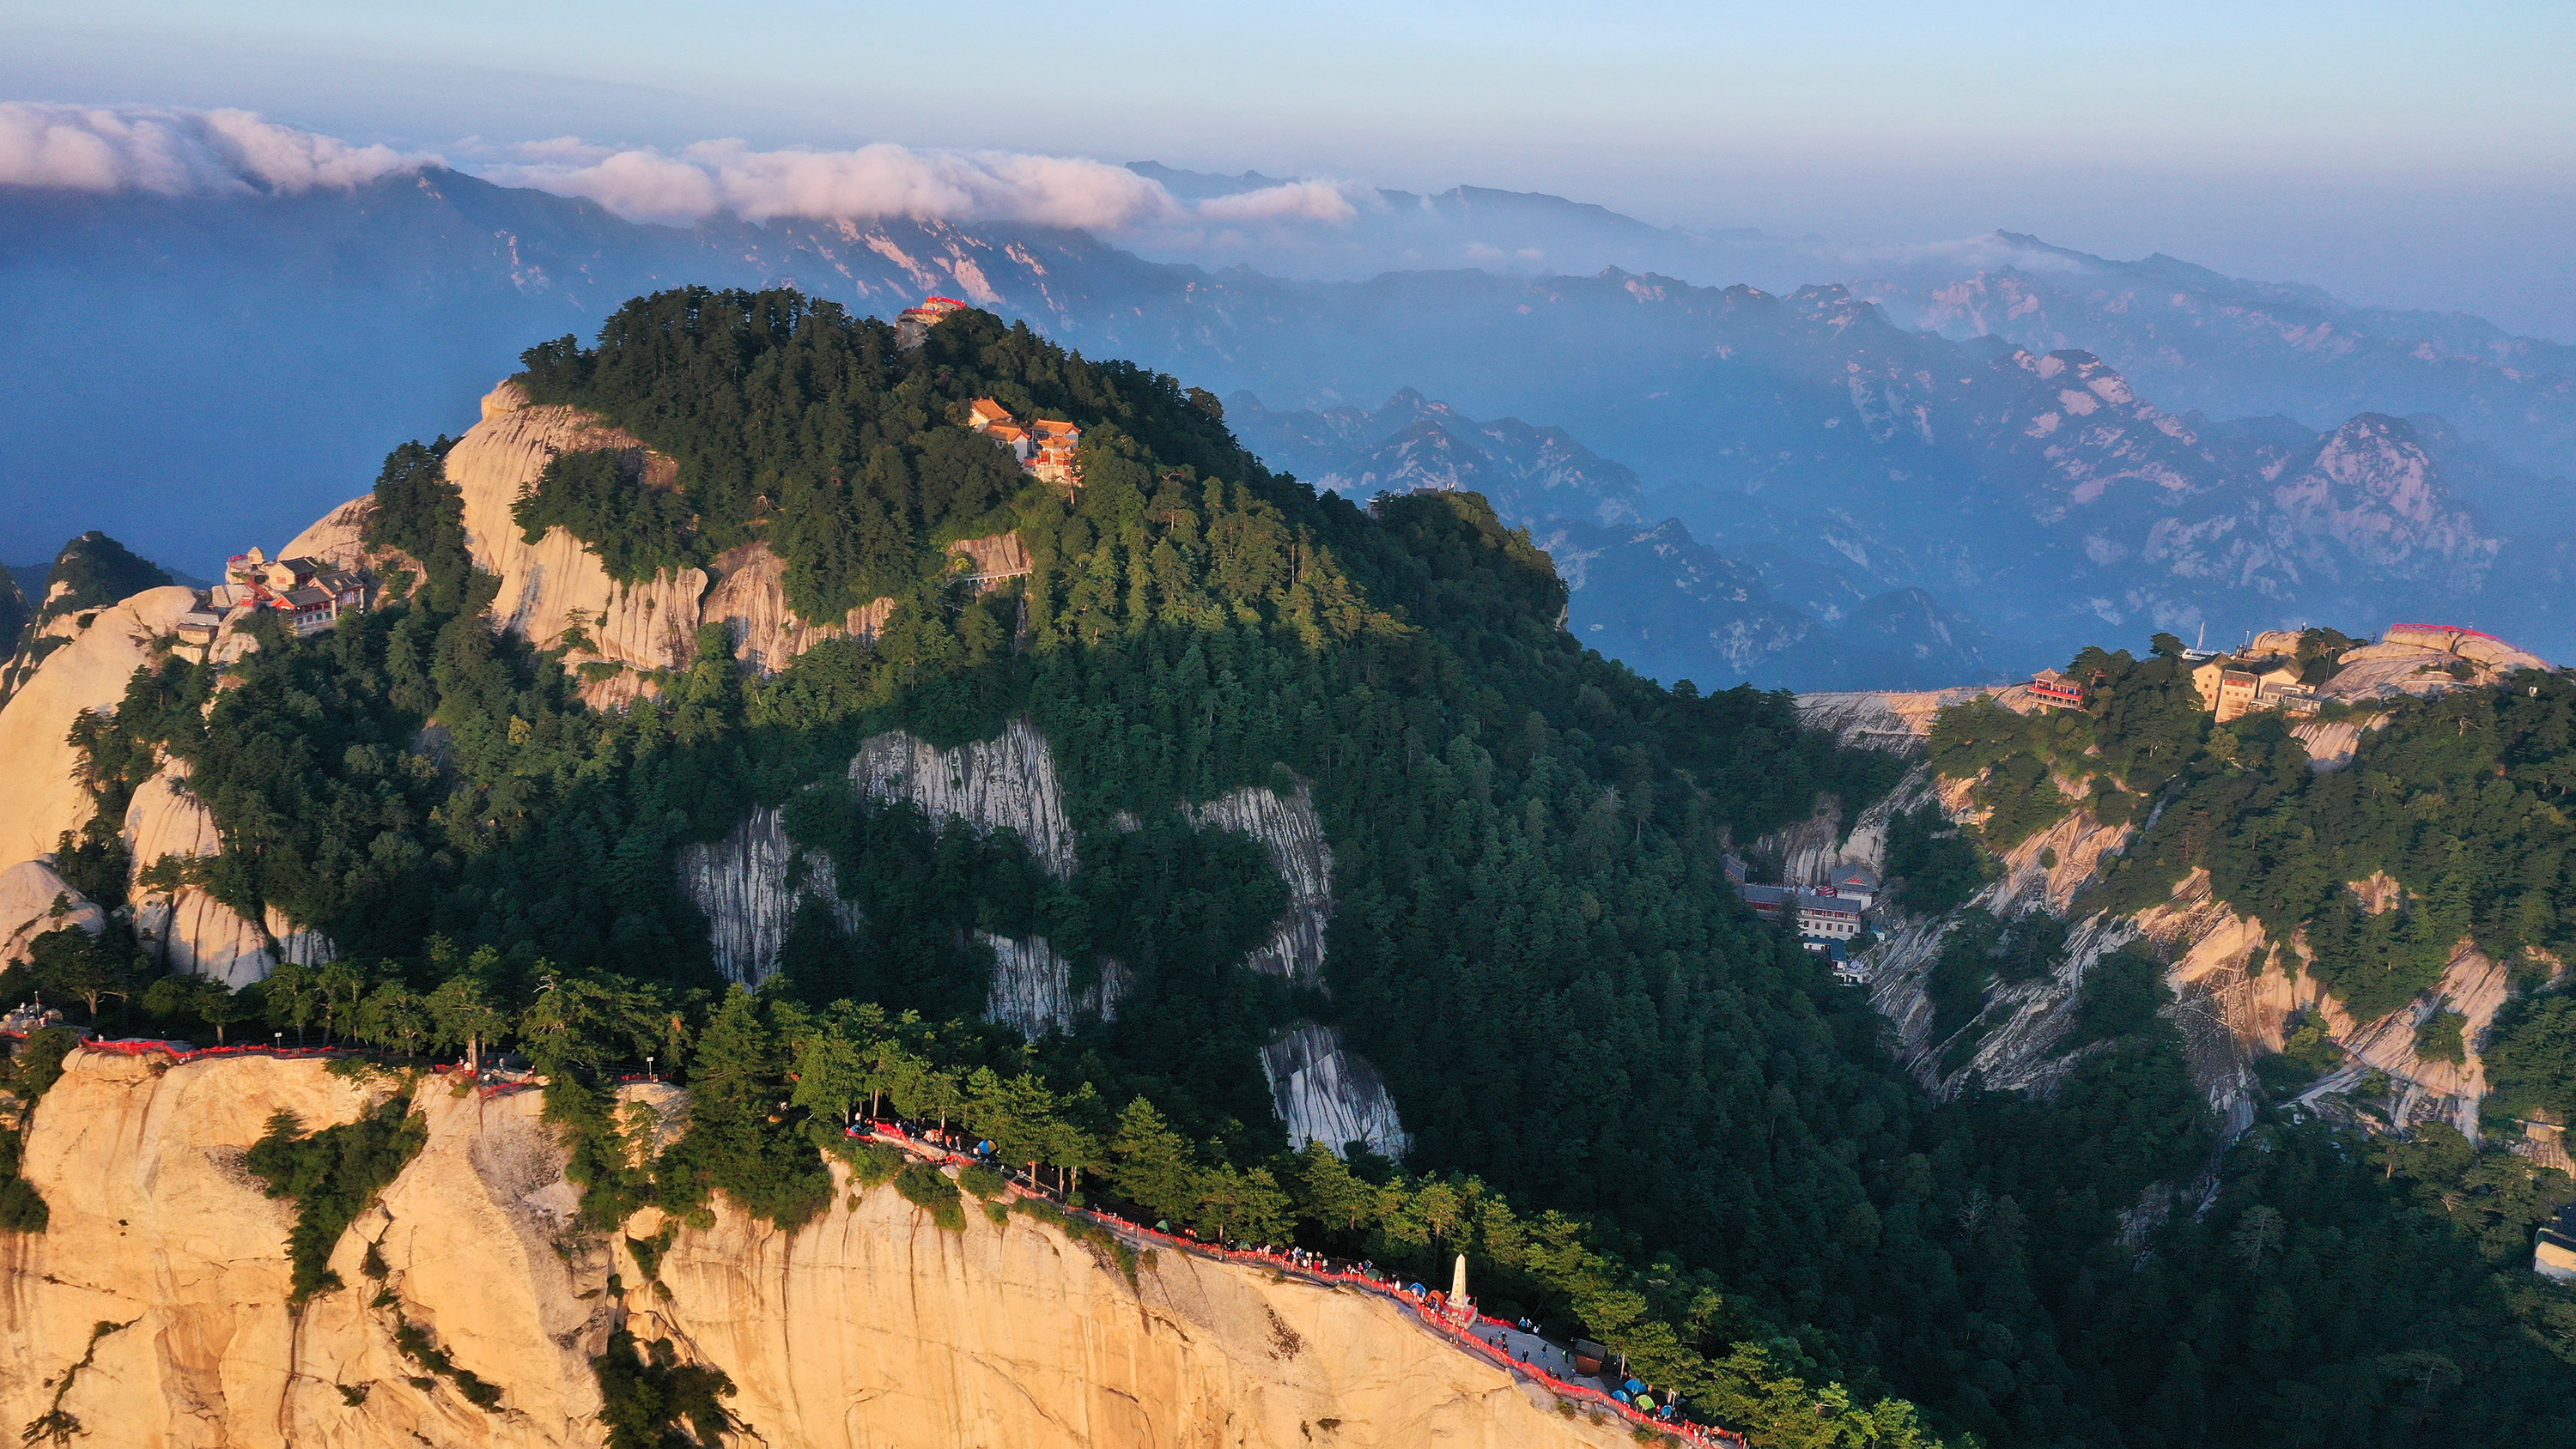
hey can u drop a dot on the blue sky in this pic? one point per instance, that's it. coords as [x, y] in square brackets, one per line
[2410, 154]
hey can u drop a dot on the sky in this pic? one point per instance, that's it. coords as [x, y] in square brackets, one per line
[2403, 154]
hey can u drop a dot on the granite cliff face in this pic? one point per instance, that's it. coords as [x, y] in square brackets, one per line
[30, 894]
[555, 584]
[154, 1309]
[186, 926]
[555, 593]
[1322, 1090]
[40, 797]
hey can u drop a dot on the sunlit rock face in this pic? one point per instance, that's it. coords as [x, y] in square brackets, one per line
[154, 1309]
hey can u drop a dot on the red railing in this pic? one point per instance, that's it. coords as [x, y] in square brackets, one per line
[1419, 1307]
[1435, 1317]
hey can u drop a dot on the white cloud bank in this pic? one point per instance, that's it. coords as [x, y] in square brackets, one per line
[178, 152]
[878, 180]
[174, 152]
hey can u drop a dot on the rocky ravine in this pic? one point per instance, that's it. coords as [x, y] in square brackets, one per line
[153, 1310]
[2233, 1000]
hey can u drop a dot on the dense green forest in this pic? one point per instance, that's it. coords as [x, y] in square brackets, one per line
[1647, 1115]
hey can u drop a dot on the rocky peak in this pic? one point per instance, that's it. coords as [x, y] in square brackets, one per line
[2372, 490]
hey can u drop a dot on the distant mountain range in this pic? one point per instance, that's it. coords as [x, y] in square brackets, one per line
[1961, 464]
[1644, 592]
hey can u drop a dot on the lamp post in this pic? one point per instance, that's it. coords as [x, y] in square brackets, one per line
[648, 1067]
[277, 1040]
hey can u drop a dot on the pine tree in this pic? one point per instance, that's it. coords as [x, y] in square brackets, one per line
[1150, 1164]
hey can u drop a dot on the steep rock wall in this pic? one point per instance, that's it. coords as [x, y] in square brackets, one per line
[1293, 834]
[750, 600]
[1809, 850]
[550, 585]
[39, 798]
[1322, 1090]
[187, 929]
[1008, 781]
[867, 1329]
[2476, 986]
[1327, 1093]
[742, 884]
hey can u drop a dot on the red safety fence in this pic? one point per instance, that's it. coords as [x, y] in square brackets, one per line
[1418, 1307]
[195, 1053]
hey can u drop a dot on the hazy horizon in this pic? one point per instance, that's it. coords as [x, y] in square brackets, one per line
[2392, 157]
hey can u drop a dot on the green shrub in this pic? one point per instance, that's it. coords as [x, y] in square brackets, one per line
[331, 1176]
[2442, 1038]
[648, 1252]
[636, 531]
[420, 1347]
[875, 1163]
[38, 1063]
[1937, 865]
[2311, 1048]
[928, 1189]
[983, 1181]
[2282, 1076]
[2530, 1056]
[650, 1400]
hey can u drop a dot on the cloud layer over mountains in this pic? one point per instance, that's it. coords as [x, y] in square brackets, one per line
[178, 152]
[872, 181]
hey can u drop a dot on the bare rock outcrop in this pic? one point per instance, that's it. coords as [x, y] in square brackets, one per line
[2476, 986]
[2424, 662]
[1008, 781]
[337, 537]
[746, 884]
[750, 600]
[1809, 849]
[39, 796]
[869, 1328]
[1323, 1091]
[2331, 744]
[1293, 835]
[185, 926]
[556, 584]
[992, 559]
[1898, 722]
[1327, 1093]
[33, 901]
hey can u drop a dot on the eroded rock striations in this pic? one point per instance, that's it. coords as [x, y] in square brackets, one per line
[746, 885]
[2235, 995]
[165, 1269]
